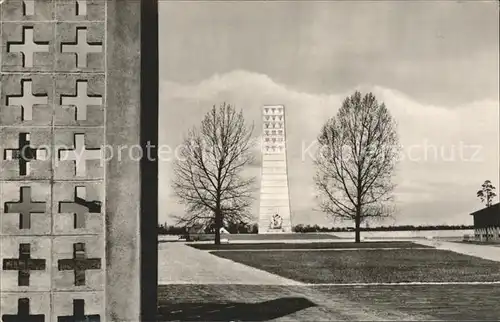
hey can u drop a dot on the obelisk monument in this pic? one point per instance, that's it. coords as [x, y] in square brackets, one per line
[274, 214]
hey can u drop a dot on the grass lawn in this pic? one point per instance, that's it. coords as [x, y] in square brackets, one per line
[445, 302]
[299, 303]
[314, 245]
[370, 266]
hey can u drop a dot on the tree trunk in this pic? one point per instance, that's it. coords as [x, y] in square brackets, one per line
[357, 221]
[218, 225]
[357, 229]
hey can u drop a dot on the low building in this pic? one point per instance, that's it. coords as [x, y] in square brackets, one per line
[487, 224]
[200, 232]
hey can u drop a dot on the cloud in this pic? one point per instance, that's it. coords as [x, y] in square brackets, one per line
[434, 51]
[439, 143]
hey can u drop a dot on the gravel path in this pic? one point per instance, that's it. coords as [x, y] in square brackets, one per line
[181, 264]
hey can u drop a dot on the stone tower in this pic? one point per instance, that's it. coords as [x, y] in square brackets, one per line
[274, 214]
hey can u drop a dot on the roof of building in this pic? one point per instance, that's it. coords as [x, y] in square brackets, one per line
[197, 229]
[201, 228]
[487, 210]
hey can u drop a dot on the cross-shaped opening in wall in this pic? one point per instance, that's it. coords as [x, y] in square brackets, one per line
[80, 155]
[81, 7]
[24, 154]
[23, 265]
[27, 100]
[28, 7]
[81, 99]
[80, 207]
[79, 264]
[25, 207]
[23, 313]
[81, 47]
[27, 46]
[79, 314]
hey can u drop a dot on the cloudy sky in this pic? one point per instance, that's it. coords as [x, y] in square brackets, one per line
[434, 64]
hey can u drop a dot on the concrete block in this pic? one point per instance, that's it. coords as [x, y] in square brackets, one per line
[26, 208]
[39, 10]
[85, 217]
[26, 100]
[78, 10]
[28, 46]
[79, 154]
[91, 303]
[81, 47]
[80, 100]
[29, 255]
[37, 143]
[25, 305]
[87, 272]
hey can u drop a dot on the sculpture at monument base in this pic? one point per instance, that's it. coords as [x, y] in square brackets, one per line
[277, 222]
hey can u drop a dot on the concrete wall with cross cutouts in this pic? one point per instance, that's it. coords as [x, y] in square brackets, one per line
[63, 204]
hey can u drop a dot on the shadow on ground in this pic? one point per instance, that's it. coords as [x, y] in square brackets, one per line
[233, 311]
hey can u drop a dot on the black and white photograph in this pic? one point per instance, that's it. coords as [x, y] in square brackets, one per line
[250, 160]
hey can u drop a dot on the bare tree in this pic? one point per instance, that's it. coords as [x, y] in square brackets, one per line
[207, 171]
[357, 154]
[487, 193]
